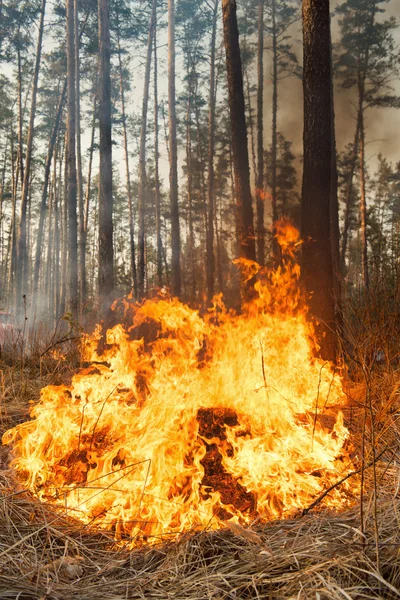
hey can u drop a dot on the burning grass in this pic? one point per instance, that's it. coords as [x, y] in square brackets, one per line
[45, 554]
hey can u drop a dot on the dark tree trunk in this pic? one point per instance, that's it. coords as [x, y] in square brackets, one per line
[274, 146]
[142, 157]
[244, 208]
[134, 281]
[79, 180]
[260, 137]
[363, 207]
[334, 214]
[106, 250]
[317, 268]
[156, 167]
[211, 175]
[71, 162]
[173, 157]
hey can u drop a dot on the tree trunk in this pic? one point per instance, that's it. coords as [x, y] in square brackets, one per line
[274, 147]
[363, 207]
[211, 151]
[156, 166]
[260, 137]
[64, 230]
[173, 157]
[134, 282]
[244, 209]
[317, 268]
[82, 257]
[192, 293]
[22, 257]
[349, 191]
[334, 214]
[106, 250]
[88, 187]
[71, 154]
[142, 156]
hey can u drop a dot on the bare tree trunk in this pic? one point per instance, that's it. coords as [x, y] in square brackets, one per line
[190, 190]
[274, 148]
[260, 137]
[156, 167]
[71, 154]
[134, 282]
[334, 214]
[13, 236]
[64, 219]
[142, 156]
[211, 152]
[363, 207]
[244, 208]
[173, 157]
[349, 192]
[82, 256]
[106, 250]
[20, 117]
[22, 258]
[317, 268]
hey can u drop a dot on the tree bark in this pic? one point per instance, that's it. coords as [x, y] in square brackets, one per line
[363, 207]
[82, 257]
[349, 191]
[22, 256]
[106, 250]
[142, 156]
[211, 173]
[244, 209]
[334, 214]
[260, 137]
[317, 268]
[156, 167]
[71, 155]
[173, 157]
[274, 146]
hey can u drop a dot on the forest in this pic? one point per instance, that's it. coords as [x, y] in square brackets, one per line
[199, 299]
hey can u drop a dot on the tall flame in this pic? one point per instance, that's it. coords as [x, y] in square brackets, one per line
[199, 421]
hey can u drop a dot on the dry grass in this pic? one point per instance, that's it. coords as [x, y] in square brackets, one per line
[45, 555]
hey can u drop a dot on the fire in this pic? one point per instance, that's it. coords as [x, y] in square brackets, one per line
[199, 421]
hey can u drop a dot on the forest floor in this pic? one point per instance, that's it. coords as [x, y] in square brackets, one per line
[323, 555]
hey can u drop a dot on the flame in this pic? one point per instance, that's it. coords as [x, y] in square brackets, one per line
[201, 420]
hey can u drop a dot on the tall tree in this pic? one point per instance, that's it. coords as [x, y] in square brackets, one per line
[142, 154]
[260, 137]
[71, 164]
[211, 150]
[244, 208]
[317, 268]
[106, 250]
[173, 157]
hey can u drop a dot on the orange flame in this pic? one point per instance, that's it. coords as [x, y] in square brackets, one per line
[199, 421]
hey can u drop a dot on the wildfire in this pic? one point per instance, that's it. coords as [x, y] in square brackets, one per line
[184, 422]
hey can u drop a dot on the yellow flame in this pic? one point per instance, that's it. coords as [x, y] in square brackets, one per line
[201, 420]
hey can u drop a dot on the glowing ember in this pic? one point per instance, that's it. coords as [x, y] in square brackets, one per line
[199, 421]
